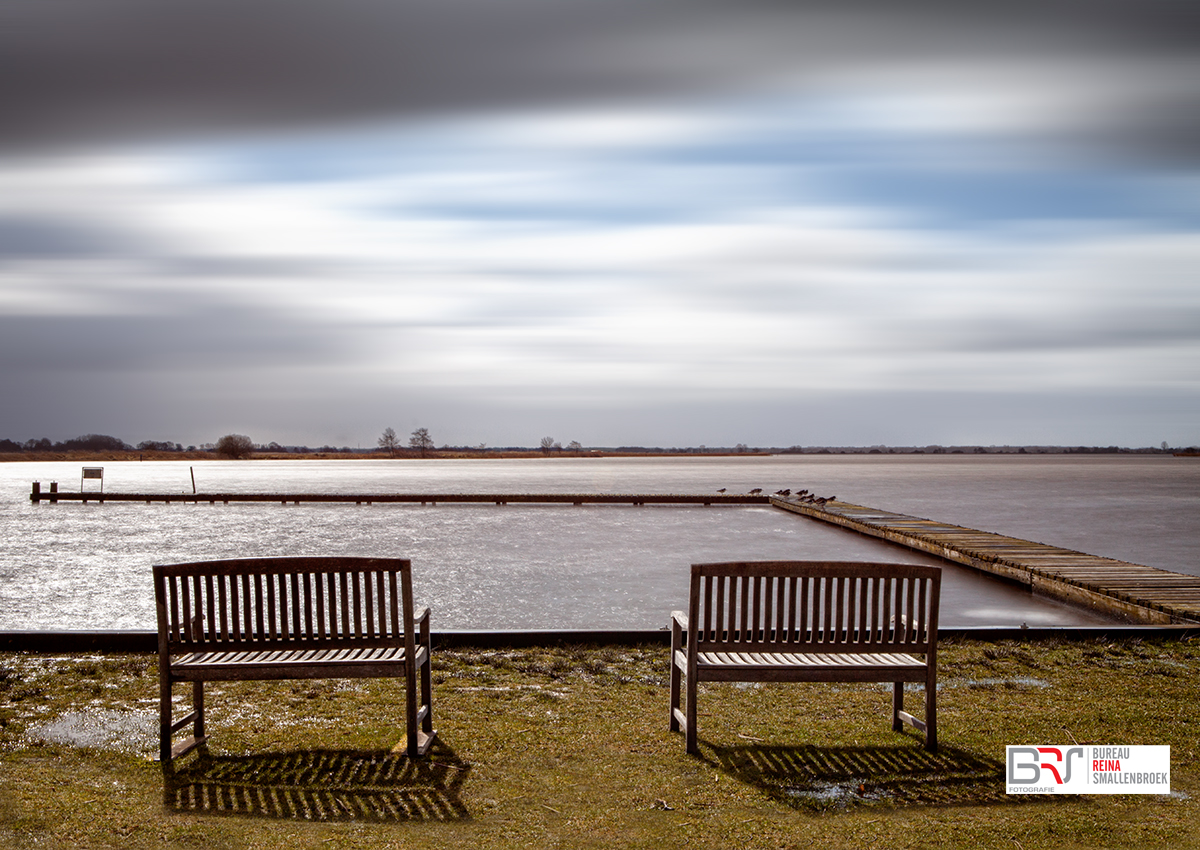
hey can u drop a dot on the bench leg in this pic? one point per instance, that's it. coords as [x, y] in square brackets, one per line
[427, 732]
[164, 719]
[168, 750]
[410, 711]
[198, 707]
[427, 695]
[675, 679]
[931, 713]
[418, 709]
[929, 725]
[690, 731]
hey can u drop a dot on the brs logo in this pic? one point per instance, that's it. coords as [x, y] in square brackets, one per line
[1035, 765]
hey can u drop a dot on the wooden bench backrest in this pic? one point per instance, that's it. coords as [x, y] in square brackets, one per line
[281, 603]
[814, 606]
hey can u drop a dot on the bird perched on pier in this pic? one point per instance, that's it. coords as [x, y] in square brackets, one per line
[783, 492]
[801, 492]
[722, 490]
[756, 491]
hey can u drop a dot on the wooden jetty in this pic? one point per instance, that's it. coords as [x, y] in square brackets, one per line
[54, 495]
[1114, 588]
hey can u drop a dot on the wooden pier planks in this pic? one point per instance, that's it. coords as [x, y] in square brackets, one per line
[37, 495]
[1116, 588]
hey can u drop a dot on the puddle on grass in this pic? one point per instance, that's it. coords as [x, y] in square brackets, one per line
[102, 729]
[835, 794]
[1012, 682]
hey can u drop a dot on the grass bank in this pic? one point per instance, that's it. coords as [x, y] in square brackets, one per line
[567, 747]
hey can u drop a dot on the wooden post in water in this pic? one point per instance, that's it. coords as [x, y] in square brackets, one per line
[35, 495]
[54, 492]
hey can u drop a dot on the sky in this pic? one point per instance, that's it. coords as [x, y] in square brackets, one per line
[667, 223]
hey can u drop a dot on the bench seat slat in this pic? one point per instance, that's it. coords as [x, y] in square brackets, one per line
[280, 657]
[789, 659]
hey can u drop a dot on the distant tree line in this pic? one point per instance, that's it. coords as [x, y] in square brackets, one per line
[237, 445]
[86, 443]
[156, 446]
[104, 443]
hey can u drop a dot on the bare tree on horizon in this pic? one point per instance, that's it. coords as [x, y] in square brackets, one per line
[421, 440]
[389, 441]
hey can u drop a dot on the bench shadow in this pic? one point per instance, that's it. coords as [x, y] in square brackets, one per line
[322, 785]
[825, 778]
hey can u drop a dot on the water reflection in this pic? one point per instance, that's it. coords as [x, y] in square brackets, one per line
[73, 566]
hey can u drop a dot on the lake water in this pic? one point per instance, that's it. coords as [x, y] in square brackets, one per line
[75, 566]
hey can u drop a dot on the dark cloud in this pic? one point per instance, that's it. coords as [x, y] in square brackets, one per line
[215, 341]
[82, 72]
[28, 237]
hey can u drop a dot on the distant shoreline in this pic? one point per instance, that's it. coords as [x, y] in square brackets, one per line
[536, 454]
[434, 454]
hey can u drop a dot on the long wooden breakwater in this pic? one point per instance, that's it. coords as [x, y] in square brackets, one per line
[53, 496]
[1108, 586]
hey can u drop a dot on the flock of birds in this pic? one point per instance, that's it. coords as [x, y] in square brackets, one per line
[799, 495]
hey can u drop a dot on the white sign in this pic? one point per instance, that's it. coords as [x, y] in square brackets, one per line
[1078, 769]
[96, 472]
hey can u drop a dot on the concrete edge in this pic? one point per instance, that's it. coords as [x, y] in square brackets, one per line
[147, 641]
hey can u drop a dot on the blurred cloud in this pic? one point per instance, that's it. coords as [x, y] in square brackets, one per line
[80, 72]
[632, 220]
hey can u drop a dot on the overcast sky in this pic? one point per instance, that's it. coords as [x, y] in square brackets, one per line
[655, 223]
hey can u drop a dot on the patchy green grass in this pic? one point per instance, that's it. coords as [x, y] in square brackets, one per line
[568, 747]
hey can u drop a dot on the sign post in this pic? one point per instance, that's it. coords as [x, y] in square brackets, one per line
[96, 472]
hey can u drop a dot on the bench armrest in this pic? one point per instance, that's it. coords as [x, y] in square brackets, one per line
[681, 641]
[421, 625]
[679, 628]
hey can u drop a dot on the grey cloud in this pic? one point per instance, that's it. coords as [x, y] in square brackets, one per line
[1116, 328]
[184, 264]
[28, 237]
[213, 341]
[192, 377]
[82, 72]
[1111, 335]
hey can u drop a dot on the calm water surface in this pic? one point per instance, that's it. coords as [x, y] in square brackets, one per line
[511, 567]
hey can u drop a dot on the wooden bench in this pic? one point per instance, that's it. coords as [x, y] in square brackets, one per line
[289, 618]
[808, 621]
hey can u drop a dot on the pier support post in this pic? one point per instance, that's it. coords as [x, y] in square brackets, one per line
[54, 492]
